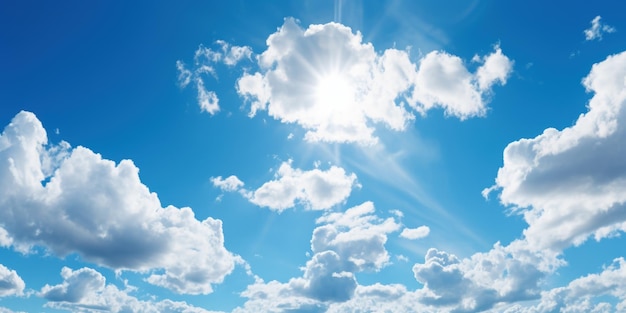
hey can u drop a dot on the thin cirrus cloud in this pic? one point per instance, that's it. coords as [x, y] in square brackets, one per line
[71, 200]
[569, 184]
[339, 88]
[314, 189]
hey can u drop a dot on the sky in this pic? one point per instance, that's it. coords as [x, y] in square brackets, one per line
[312, 156]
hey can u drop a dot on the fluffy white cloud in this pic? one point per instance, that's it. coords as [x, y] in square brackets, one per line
[315, 189]
[230, 183]
[10, 282]
[570, 184]
[583, 294]
[356, 235]
[346, 243]
[102, 211]
[208, 100]
[415, 233]
[503, 274]
[443, 80]
[335, 86]
[85, 290]
[597, 29]
[205, 60]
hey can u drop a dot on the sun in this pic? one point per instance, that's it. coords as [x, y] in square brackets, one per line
[333, 92]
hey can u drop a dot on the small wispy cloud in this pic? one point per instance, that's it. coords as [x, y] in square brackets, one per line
[597, 29]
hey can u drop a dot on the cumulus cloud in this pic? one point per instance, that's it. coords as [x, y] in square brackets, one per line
[569, 184]
[345, 243]
[597, 29]
[584, 294]
[205, 60]
[503, 274]
[357, 235]
[230, 183]
[415, 233]
[11, 283]
[331, 83]
[315, 189]
[86, 290]
[485, 281]
[101, 210]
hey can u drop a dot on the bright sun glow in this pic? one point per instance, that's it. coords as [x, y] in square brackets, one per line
[333, 92]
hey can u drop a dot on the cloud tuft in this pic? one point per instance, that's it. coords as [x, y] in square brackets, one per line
[597, 29]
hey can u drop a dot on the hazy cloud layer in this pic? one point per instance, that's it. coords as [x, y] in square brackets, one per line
[74, 201]
[337, 87]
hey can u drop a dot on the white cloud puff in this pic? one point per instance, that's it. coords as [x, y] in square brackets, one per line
[102, 211]
[85, 290]
[570, 184]
[315, 189]
[10, 282]
[415, 233]
[331, 83]
[230, 183]
[597, 29]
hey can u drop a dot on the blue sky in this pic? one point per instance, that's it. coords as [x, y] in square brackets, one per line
[312, 156]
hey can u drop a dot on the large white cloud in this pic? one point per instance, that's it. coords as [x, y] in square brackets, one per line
[10, 282]
[327, 80]
[570, 184]
[73, 201]
[86, 290]
[349, 242]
